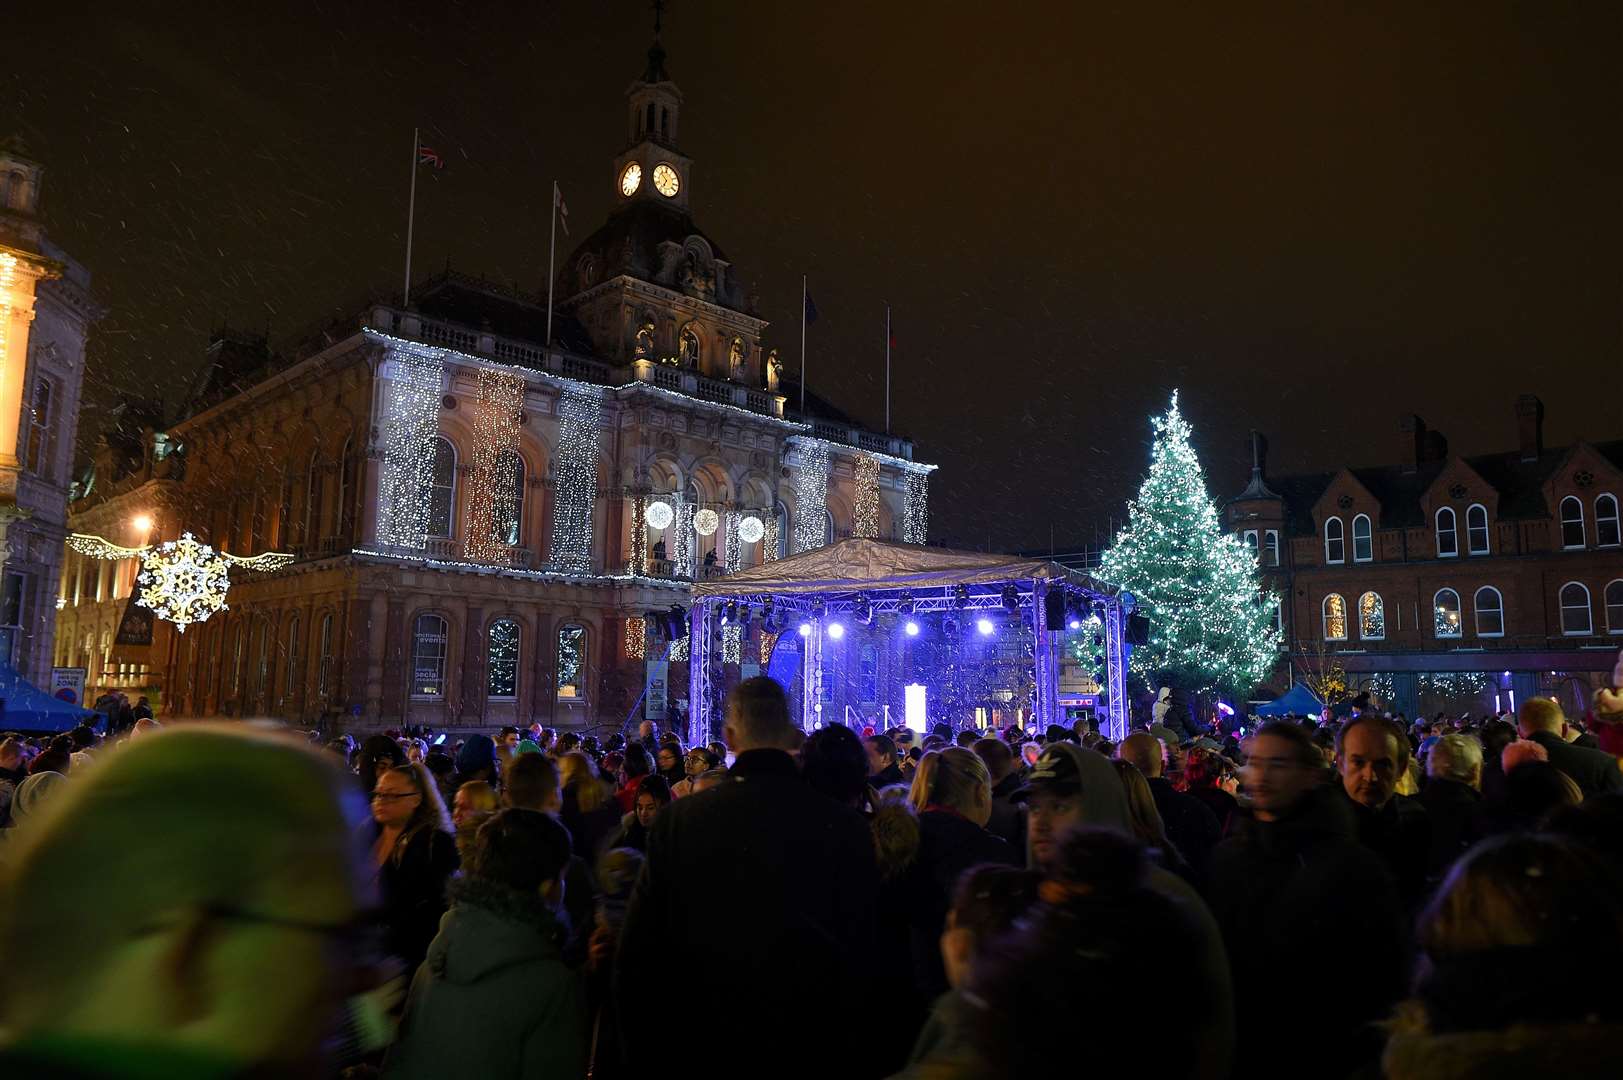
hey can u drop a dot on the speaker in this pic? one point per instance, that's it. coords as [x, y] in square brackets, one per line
[676, 623]
[1138, 629]
[1054, 609]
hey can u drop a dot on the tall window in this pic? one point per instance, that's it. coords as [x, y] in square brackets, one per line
[1363, 539]
[1335, 541]
[1575, 614]
[509, 510]
[1490, 612]
[1335, 618]
[1607, 533]
[868, 675]
[292, 680]
[1371, 617]
[501, 660]
[571, 662]
[1572, 522]
[284, 520]
[262, 658]
[312, 499]
[346, 489]
[1476, 529]
[1446, 611]
[428, 640]
[1448, 538]
[39, 427]
[442, 495]
[1270, 548]
[1250, 537]
[1614, 607]
[324, 656]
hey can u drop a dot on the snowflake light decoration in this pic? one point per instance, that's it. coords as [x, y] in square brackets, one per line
[183, 581]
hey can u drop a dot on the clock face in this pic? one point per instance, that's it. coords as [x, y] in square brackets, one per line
[631, 179]
[666, 181]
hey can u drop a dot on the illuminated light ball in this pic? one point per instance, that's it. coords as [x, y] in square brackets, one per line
[142, 523]
[706, 521]
[836, 631]
[984, 626]
[912, 628]
[805, 629]
[1075, 624]
[750, 529]
[659, 515]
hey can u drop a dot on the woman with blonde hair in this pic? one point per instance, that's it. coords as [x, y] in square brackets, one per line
[414, 850]
[588, 810]
[474, 802]
[1148, 828]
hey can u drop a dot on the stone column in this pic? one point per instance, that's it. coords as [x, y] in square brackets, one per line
[543, 687]
[392, 698]
[473, 666]
[357, 645]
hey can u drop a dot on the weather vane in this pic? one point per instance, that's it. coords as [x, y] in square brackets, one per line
[181, 581]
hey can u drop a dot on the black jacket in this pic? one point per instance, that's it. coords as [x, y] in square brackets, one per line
[414, 893]
[768, 887]
[1454, 815]
[589, 832]
[1281, 891]
[1594, 771]
[1399, 834]
[890, 774]
[1193, 829]
[1007, 822]
[948, 845]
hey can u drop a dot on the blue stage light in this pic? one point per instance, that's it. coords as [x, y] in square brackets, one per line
[836, 631]
[805, 629]
[912, 628]
[984, 625]
[1075, 623]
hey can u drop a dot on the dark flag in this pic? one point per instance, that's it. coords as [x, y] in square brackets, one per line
[811, 310]
[135, 628]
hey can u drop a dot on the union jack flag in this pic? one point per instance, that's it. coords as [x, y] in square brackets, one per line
[429, 156]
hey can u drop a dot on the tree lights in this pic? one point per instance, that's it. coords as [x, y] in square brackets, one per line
[865, 513]
[1211, 623]
[410, 422]
[575, 478]
[811, 494]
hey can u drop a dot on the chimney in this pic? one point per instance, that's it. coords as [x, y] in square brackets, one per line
[1530, 426]
[1435, 447]
[1259, 454]
[1411, 442]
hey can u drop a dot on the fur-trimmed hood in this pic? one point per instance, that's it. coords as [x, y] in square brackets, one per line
[1569, 1051]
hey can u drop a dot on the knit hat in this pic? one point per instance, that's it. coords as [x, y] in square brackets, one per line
[527, 746]
[479, 752]
[32, 793]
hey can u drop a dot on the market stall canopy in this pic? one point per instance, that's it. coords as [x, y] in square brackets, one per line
[25, 707]
[1297, 701]
[857, 565]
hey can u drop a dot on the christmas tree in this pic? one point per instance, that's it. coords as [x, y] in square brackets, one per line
[1211, 625]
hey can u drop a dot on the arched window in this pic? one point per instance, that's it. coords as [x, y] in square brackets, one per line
[428, 645]
[1448, 538]
[292, 681]
[1572, 522]
[571, 662]
[649, 125]
[1607, 533]
[506, 522]
[1250, 538]
[1371, 617]
[501, 660]
[1335, 541]
[1363, 539]
[237, 634]
[1575, 613]
[39, 428]
[1446, 613]
[442, 492]
[348, 468]
[324, 656]
[312, 499]
[262, 658]
[1476, 529]
[1614, 607]
[1490, 612]
[1270, 548]
[1335, 618]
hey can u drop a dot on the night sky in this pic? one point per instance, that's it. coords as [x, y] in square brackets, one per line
[1310, 219]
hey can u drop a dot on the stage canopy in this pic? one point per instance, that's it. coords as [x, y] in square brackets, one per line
[25, 707]
[1297, 701]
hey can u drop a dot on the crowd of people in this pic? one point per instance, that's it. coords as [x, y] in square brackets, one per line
[1311, 897]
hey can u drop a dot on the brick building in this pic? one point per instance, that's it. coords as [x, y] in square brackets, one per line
[1440, 581]
[482, 517]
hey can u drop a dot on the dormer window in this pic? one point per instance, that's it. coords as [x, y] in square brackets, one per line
[1363, 539]
[1335, 541]
[1476, 529]
[1448, 539]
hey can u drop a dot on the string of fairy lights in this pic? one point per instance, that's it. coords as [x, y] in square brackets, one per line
[811, 494]
[493, 495]
[865, 511]
[413, 385]
[580, 410]
[916, 508]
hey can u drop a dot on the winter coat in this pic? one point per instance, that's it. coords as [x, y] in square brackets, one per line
[589, 830]
[494, 998]
[1400, 834]
[1594, 771]
[949, 844]
[1219, 802]
[1193, 829]
[1006, 820]
[1454, 815]
[1579, 1051]
[884, 778]
[414, 893]
[772, 884]
[1281, 891]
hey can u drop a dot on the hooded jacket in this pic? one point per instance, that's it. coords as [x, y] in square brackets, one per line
[494, 998]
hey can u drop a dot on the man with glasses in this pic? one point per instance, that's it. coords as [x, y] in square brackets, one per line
[1289, 883]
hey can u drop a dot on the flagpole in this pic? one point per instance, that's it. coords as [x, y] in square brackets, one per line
[802, 346]
[887, 369]
[552, 247]
[411, 214]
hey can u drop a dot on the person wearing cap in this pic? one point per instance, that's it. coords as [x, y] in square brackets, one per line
[1069, 787]
[1291, 876]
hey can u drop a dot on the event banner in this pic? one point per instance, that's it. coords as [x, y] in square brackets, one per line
[655, 701]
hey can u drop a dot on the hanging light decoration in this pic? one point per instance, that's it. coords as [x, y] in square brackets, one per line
[659, 514]
[575, 478]
[916, 510]
[865, 513]
[769, 549]
[706, 521]
[811, 494]
[750, 529]
[182, 581]
[492, 518]
[411, 421]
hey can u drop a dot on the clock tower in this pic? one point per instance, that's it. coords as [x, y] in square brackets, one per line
[651, 168]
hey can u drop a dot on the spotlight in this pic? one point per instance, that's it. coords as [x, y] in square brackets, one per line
[1074, 623]
[984, 626]
[862, 611]
[729, 614]
[905, 605]
[1011, 598]
[960, 595]
[912, 628]
[836, 631]
[805, 629]
[676, 623]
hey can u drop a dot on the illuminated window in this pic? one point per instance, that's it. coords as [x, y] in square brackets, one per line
[1446, 614]
[1575, 614]
[1572, 523]
[442, 493]
[1606, 521]
[1335, 618]
[1476, 529]
[292, 680]
[1335, 541]
[324, 656]
[1490, 612]
[1614, 607]
[1371, 617]
[428, 645]
[1270, 548]
[1448, 540]
[571, 662]
[1363, 539]
[501, 660]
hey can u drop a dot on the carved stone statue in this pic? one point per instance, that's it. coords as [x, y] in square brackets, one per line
[644, 349]
[735, 359]
[688, 347]
[774, 370]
